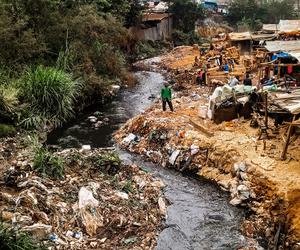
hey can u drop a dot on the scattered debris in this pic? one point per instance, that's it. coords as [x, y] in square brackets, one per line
[88, 208]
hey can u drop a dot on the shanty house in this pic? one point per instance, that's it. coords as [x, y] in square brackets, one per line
[245, 41]
[291, 54]
[270, 28]
[155, 26]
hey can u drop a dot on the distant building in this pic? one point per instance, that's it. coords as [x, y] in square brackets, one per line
[155, 26]
[210, 4]
[219, 6]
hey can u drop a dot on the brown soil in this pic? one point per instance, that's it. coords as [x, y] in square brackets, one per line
[274, 184]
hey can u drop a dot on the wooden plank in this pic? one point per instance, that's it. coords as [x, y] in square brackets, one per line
[287, 142]
[201, 128]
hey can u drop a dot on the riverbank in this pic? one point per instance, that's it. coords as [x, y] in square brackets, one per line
[229, 154]
[97, 202]
[190, 199]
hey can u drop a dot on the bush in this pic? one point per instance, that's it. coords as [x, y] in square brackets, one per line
[8, 101]
[109, 163]
[47, 164]
[50, 94]
[181, 38]
[11, 239]
[6, 130]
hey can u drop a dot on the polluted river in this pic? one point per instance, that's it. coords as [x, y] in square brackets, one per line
[199, 215]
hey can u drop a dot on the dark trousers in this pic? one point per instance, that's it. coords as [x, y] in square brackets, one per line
[164, 104]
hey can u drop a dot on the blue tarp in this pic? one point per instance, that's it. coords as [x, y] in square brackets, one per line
[280, 55]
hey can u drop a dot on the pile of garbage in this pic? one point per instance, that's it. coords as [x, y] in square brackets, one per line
[100, 203]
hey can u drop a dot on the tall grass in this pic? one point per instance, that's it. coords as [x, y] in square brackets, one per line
[50, 94]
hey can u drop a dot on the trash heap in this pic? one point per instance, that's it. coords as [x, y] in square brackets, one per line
[99, 204]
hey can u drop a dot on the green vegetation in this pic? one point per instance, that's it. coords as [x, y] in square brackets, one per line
[8, 102]
[11, 239]
[251, 14]
[50, 94]
[182, 38]
[6, 130]
[47, 164]
[146, 49]
[108, 163]
[186, 13]
[47, 47]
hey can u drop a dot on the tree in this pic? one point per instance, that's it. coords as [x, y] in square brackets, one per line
[280, 10]
[247, 12]
[186, 13]
[133, 16]
[251, 13]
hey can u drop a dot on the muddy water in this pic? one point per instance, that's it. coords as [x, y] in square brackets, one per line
[199, 215]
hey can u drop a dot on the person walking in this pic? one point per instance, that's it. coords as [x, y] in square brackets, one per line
[166, 96]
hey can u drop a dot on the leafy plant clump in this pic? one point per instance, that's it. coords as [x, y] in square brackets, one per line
[47, 164]
[7, 130]
[50, 94]
[109, 163]
[11, 239]
[8, 102]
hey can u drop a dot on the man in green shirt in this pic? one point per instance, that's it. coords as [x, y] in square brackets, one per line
[166, 96]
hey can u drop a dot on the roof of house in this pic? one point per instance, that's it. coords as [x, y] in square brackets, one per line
[239, 36]
[242, 36]
[290, 47]
[155, 16]
[210, 1]
[270, 27]
[286, 46]
[289, 25]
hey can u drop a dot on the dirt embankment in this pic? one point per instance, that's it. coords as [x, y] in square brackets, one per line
[229, 154]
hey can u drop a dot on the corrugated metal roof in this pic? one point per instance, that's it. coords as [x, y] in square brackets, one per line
[240, 36]
[290, 47]
[259, 37]
[290, 102]
[286, 46]
[289, 25]
[155, 16]
[270, 27]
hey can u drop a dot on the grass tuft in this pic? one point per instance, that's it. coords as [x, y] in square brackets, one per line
[108, 163]
[11, 239]
[7, 130]
[51, 94]
[47, 164]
